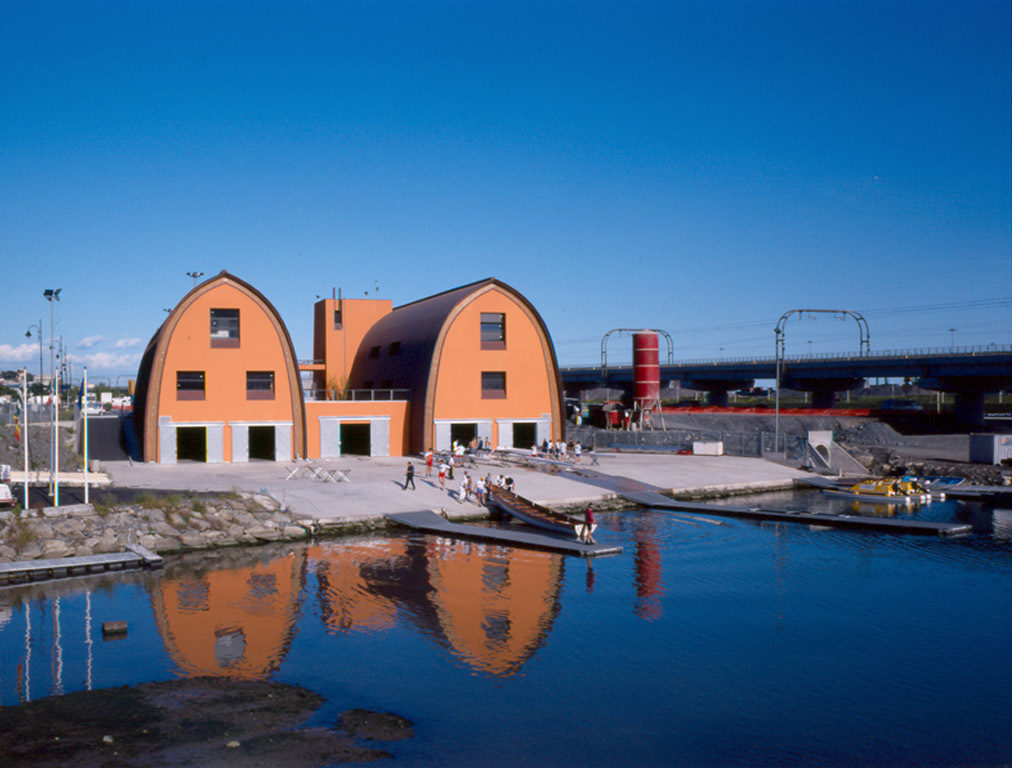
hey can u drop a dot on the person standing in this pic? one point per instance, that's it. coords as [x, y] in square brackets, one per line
[410, 473]
[588, 527]
[430, 463]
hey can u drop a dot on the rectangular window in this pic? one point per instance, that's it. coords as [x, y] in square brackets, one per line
[259, 385]
[393, 348]
[224, 328]
[191, 385]
[492, 384]
[492, 330]
[374, 352]
[337, 319]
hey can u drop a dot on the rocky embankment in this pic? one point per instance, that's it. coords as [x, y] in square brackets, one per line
[164, 525]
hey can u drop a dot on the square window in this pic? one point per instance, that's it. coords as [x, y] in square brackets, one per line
[191, 385]
[259, 385]
[224, 327]
[393, 348]
[492, 384]
[492, 330]
[374, 352]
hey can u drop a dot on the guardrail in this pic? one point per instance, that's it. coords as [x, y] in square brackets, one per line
[357, 394]
[900, 354]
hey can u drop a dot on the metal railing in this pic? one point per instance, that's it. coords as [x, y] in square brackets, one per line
[792, 448]
[357, 394]
[900, 354]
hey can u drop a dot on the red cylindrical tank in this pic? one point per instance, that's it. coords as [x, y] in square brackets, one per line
[646, 369]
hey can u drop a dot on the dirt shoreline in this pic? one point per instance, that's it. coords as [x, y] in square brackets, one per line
[212, 722]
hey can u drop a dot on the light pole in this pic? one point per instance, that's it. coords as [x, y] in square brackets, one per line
[952, 337]
[53, 295]
[39, 333]
[23, 375]
[195, 276]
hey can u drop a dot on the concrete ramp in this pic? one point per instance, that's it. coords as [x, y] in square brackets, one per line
[106, 439]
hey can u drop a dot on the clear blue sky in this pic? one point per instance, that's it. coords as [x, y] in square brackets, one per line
[699, 167]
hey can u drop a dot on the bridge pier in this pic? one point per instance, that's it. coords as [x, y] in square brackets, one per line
[968, 393]
[718, 397]
[823, 391]
[718, 389]
[969, 407]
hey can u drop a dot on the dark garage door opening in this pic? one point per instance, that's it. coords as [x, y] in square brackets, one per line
[464, 433]
[524, 434]
[262, 443]
[191, 444]
[354, 439]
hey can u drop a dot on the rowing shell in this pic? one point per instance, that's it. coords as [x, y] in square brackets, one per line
[535, 514]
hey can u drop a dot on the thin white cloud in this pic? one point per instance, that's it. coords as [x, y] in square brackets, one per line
[91, 341]
[108, 361]
[18, 354]
[127, 343]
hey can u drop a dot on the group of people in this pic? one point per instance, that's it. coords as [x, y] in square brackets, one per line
[482, 487]
[466, 486]
[560, 450]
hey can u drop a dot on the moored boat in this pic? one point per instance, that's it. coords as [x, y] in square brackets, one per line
[536, 514]
[886, 490]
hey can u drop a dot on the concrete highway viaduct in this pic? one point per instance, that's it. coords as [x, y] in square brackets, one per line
[966, 372]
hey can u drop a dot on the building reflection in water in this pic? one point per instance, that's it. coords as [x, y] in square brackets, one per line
[230, 621]
[492, 606]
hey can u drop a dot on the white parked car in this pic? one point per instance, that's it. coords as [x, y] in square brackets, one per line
[6, 497]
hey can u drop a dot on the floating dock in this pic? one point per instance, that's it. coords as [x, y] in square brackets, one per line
[431, 522]
[990, 493]
[656, 500]
[39, 570]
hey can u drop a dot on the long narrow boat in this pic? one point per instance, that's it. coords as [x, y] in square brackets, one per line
[535, 514]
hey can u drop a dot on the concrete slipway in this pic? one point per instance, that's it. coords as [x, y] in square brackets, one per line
[373, 487]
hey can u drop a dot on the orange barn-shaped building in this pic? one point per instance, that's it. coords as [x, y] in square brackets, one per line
[219, 381]
[478, 363]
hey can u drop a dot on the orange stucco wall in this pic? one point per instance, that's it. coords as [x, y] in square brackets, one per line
[337, 347]
[528, 376]
[261, 348]
[397, 411]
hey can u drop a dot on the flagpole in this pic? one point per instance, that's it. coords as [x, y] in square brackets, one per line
[56, 437]
[85, 429]
[24, 408]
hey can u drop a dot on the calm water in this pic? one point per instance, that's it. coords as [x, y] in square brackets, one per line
[700, 645]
